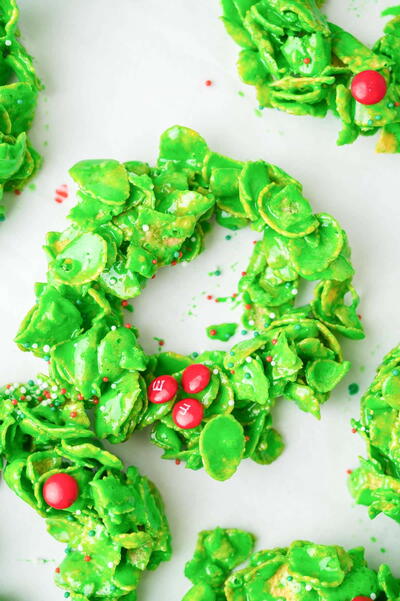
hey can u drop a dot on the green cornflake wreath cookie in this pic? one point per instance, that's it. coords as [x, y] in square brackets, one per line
[304, 571]
[19, 88]
[133, 219]
[376, 483]
[111, 519]
[304, 65]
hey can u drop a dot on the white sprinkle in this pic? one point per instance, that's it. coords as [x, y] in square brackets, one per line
[110, 564]
[46, 348]
[184, 263]
[113, 328]
[78, 512]
[113, 385]
[215, 372]
[272, 315]
[80, 548]
[308, 587]
[193, 239]
[294, 291]
[8, 42]
[251, 322]
[145, 227]
[54, 388]
[248, 359]
[231, 403]
[102, 408]
[22, 389]
[34, 345]
[373, 596]
[29, 398]
[54, 395]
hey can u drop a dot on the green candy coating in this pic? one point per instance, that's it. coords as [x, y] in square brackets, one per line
[116, 529]
[304, 571]
[302, 64]
[376, 482]
[19, 87]
[131, 220]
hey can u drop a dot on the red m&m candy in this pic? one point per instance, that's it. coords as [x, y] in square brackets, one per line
[188, 413]
[195, 378]
[162, 389]
[60, 491]
[368, 87]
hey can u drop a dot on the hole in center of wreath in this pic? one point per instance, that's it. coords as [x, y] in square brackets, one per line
[186, 303]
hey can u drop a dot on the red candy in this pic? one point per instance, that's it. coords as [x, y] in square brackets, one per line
[162, 389]
[368, 87]
[188, 413]
[195, 378]
[60, 491]
[361, 598]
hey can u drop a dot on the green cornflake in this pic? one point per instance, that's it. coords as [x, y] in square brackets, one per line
[131, 220]
[222, 331]
[302, 64]
[118, 518]
[19, 89]
[376, 482]
[353, 388]
[302, 571]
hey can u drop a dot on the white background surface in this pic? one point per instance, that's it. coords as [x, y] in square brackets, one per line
[117, 73]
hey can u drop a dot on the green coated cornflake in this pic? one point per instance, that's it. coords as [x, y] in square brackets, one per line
[133, 219]
[222, 446]
[301, 64]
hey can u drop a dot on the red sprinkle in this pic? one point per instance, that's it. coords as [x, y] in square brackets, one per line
[14, 402]
[57, 570]
[153, 276]
[47, 394]
[61, 193]
[63, 391]
[73, 414]
[247, 438]
[274, 341]
[213, 332]
[234, 295]
[243, 273]
[105, 379]
[173, 263]
[269, 358]
[22, 397]
[307, 61]
[128, 325]
[349, 471]
[248, 307]
[209, 296]
[80, 397]
[154, 261]
[208, 83]
[177, 461]
[124, 303]
[161, 342]
[232, 371]
[354, 430]
[17, 192]
[397, 103]
[8, 386]
[87, 558]
[95, 401]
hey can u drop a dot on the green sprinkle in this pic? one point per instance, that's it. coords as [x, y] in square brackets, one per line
[353, 388]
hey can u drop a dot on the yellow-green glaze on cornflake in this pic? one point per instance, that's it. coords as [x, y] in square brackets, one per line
[133, 219]
[19, 87]
[304, 571]
[302, 64]
[376, 483]
[116, 528]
